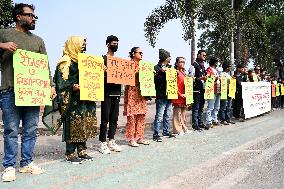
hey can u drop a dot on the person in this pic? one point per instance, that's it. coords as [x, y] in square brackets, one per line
[163, 105]
[238, 101]
[12, 39]
[199, 73]
[213, 105]
[135, 106]
[78, 116]
[226, 104]
[257, 73]
[110, 105]
[179, 105]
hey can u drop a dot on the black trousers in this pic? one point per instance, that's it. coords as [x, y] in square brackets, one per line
[238, 106]
[71, 147]
[109, 115]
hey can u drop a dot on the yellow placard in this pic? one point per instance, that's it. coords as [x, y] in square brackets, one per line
[282, 89]
[91, 77]
[232, 88]
[224, 88]
[188, 84]
[172, 88]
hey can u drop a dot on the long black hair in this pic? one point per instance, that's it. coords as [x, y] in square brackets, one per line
[132, 51]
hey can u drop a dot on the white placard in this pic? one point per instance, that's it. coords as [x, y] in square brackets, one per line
[256, 98]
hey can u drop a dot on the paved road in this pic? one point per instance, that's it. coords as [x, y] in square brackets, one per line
[244, 155]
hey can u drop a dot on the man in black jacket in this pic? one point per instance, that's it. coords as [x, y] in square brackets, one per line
[163, 105]
[198, 90]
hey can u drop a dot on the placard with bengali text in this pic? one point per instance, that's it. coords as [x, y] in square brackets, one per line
[146, 78]
[31, 79]
[171, 79]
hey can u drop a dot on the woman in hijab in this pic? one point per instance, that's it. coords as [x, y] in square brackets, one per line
[78, 117]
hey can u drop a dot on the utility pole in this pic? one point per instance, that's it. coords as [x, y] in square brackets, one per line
[232, 51]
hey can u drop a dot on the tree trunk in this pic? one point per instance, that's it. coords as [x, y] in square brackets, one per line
[193, 46]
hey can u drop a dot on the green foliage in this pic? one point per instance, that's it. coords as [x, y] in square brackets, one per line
[6, 7]
[185, 10]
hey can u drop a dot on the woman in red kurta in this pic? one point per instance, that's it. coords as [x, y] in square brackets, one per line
[135, 106]
[179, 104]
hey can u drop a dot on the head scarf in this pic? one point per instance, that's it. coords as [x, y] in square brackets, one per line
[72, 48]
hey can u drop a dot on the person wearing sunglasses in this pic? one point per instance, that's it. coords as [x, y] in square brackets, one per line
[135, 106]
[12, 39]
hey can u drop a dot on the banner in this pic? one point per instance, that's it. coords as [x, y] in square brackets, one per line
[171, 78]
[209, 88]
[232, 88]
[91, 77]
[188, 83]
[273, 90]
[120, 71]
[31, 79]
[224, 88]
[146, 78]
[256, 98]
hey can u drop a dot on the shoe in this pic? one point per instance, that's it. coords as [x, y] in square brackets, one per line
[103, 148]
[216, 123]
[207, 127]
[230, 121]
[32, 169]
[241, 120]
[73, 159]
[224, 123]
[181, 133]
[133, 144]
[202, 125]
[9, 174]
[157, 138]
[113, 146]
[187, 131]
[169, 135]
[145, 142]
[84, 156]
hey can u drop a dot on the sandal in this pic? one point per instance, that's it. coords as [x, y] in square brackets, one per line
[133, 144]
[145, 142]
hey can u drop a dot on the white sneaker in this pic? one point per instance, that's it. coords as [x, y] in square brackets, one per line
[181, 134]
[113, 146]
[103, 148]
[32, 169]
[188, 132]
[9, 174]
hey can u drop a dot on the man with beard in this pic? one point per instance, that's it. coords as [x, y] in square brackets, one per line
[110, 105]
[12, 39]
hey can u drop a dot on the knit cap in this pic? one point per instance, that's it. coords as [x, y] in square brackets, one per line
[163, 54]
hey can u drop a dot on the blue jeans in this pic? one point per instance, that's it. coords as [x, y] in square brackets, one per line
[197, 108]
[212, 110]
[11, 119]
[226, 109]
[163, 110]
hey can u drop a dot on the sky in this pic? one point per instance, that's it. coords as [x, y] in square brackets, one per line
[96, 19]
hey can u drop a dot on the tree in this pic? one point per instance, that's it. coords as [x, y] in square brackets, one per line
[275, 29]
[247, 23]
[6, 7]
[185, 10]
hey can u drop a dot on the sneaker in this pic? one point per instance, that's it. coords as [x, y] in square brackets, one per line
[169, 135]
[207, 127]
[9, 174]
[157, 138]
[216, 123]
[32, 169]
[181, 133]
[224, 123]
[113, 146]
[84, 156]
[230, 121]
[73, 159]
[241, 120]
[104, 148]
[201, 125]
[188, 132]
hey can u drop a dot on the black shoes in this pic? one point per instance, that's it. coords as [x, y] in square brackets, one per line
[157, 138]
[169, 135]
[73, 159]
[85, 157]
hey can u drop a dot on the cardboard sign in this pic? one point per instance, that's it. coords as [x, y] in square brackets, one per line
[282, 89]
[209, 88]
[171, 78]
[273, 90]
[120, 71]
[277, 89]
[232, 88]
[188, 83]
[31, 79]
[224, 88]
[91, 77]
[146, 78]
